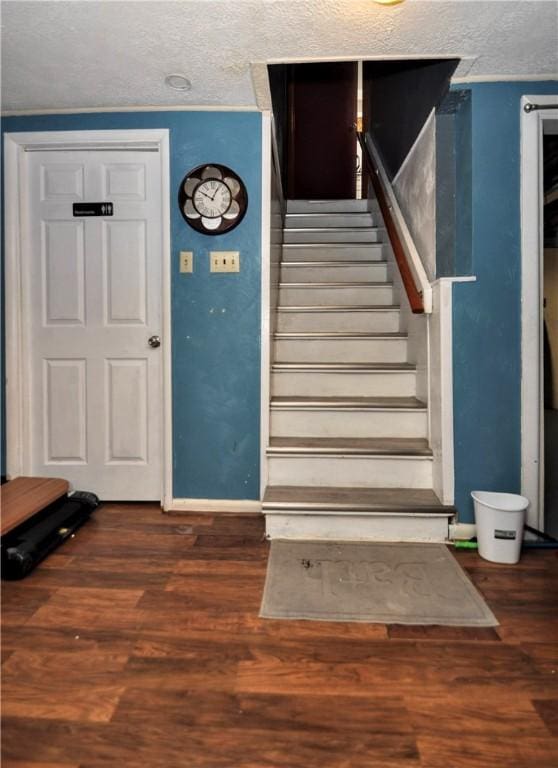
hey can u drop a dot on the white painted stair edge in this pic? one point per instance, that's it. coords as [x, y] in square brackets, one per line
[357, 526]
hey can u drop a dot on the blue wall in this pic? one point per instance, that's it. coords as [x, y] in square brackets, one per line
[487, 313]
[215, 318]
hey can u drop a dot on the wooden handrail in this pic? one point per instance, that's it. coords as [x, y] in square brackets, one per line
[400, 250]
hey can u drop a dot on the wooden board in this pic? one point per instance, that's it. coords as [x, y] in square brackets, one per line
[23, 497]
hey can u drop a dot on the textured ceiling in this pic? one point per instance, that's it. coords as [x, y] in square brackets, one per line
[75, 54]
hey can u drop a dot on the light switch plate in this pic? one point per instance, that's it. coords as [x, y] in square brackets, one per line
[186, 261]
[224, 261]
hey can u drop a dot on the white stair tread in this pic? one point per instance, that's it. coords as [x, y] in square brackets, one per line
[315, 498]
[331, 366]
[334, 263]
[354, 218]
[296, 205]
[331, 230]
[337, 244]
[350, 403]
[340, 308]
[316, 284]
[316, 335]
[358, 446]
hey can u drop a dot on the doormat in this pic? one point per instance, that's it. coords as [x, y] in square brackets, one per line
[371, 582]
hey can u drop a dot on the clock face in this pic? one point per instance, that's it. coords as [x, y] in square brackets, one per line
[212, 199]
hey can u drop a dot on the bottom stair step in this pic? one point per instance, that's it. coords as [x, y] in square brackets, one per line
[353, 499]
[355, 514]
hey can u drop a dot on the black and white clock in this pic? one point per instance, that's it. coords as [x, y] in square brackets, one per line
[212, 199]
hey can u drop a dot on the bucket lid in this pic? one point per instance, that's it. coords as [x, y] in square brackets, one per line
[505, 502]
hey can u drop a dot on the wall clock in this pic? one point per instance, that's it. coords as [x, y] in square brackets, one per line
[212, 199]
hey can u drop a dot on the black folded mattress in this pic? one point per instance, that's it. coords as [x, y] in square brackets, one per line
[24, 547]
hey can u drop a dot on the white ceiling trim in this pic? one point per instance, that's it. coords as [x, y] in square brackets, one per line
[89, 110]
[504, 79]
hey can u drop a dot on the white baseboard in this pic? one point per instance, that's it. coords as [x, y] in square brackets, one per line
[216, 506]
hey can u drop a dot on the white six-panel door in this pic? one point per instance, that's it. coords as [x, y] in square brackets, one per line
[92, 297]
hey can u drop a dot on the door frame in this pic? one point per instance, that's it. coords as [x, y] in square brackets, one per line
[532, 413]
[17, 330]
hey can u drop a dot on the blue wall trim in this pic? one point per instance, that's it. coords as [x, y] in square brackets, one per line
[487, 313]
[216, 319]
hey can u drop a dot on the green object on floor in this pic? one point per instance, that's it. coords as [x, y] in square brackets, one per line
[465, 545]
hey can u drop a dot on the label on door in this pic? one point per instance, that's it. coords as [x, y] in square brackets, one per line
[93, 209]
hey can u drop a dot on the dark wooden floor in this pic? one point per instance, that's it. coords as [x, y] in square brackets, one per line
[138, 644]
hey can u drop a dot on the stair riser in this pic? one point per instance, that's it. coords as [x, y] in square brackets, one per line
[377, 527]
[363, 235]
[371, 322]
[365, 252]
[295, 221]
[341, 350]
[326, 206]
[342, 423]
[346, 296]
[343, 384]
[345, 273]
[360, 471]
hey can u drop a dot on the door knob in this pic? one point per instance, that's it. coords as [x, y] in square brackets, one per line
[154, 341]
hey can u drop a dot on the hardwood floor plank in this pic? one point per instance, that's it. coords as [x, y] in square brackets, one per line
[92, 539]
[543, 655]
[80, 575]
[85, 687]
[75, 664]
[242, 568]
[416, 632]
[548, 711]
[210, 621]
[27, 764]
[55, 560]
[95, 703]
[123, 514]
[484, 752]
[202, 673]
[402, 667]
[230, 525]
[141, 744]
[220, 541]
[208, 591]
[455, 712]
[20, 601]
[258, 552]
[371, 716]
[76, 608]
[65, 640]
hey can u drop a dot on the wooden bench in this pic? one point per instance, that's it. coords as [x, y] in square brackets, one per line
[23, 497]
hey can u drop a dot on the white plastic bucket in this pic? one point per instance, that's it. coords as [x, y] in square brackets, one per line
[500, 518]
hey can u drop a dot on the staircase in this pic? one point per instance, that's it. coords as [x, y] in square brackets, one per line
[348, 456]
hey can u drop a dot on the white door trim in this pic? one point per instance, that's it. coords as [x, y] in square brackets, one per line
[532, 430]
[17, 374]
